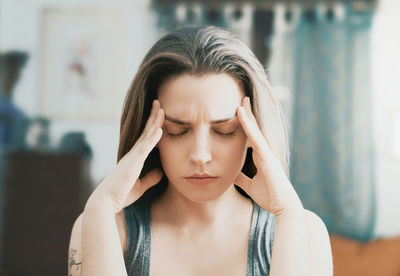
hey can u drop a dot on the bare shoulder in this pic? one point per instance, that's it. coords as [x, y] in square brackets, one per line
[315, 223]
[319, 242]
[75, 245]
[316, 227]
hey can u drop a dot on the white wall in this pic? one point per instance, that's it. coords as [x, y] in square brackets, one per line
[20, 29]
[386, 100]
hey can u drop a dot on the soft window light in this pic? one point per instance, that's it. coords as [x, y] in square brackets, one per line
[396, 135]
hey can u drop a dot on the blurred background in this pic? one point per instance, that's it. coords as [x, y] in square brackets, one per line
[65, 66]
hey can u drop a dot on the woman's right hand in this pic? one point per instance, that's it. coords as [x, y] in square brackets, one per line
[122, 186]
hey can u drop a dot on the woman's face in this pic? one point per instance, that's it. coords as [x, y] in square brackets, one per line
[201, 133]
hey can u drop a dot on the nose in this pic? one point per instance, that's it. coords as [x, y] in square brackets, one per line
[200, 153]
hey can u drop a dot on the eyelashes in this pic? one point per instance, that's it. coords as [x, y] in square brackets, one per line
[172, 135]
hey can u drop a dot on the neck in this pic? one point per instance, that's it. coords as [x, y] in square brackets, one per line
[197, 216]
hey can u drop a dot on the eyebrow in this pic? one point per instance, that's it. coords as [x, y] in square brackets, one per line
[185, 123]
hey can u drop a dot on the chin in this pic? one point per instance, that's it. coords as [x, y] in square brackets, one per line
[199, 194]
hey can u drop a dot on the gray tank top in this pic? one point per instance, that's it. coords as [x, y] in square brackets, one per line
[138, 239]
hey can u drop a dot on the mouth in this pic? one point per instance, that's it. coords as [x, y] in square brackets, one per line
[201, 180]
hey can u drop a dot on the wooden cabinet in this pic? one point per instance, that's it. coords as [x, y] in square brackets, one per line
[43, 195]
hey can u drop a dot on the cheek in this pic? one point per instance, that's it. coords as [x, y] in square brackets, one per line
[232, 154]
[170, 155]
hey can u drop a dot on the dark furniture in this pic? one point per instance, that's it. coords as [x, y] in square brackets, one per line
[44, 192]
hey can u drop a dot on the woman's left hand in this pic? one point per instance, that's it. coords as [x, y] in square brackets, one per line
[270, 188]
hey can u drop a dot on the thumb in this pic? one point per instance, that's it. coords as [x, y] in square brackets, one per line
[151, 179]
[243, 181]
[142, 185]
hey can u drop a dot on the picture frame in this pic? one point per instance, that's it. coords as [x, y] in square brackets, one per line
[81, 63]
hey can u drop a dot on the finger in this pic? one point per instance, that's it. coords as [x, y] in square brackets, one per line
[250, 115]
[148, 140]
[154, 109]
[256, 139]
[158, 120]
[247, 106]
[151, 179]
[243, 181]
[148, 143]
[262, 153]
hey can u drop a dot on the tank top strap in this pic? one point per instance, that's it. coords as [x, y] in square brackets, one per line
[138, 237]
[262, 232]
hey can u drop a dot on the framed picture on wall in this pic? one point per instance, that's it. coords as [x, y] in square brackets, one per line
[81, 60]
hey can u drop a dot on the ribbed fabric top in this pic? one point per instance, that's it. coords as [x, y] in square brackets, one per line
[138, 239]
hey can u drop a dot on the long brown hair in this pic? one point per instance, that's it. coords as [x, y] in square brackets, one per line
[199, 51]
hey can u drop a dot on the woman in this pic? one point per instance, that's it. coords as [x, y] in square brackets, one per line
[201, 184]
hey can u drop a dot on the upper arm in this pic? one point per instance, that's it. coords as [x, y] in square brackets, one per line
[75, 248]
[75, 244]
[319, 243]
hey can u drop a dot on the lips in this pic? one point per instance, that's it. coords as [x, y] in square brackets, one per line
[204, 175]
[201, 179]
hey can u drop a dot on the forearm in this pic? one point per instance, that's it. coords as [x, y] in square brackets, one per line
[290, 253]
[101, 249]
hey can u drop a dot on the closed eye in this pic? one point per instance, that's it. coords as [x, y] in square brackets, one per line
[177, 135]
[173, 135]
[225, 134]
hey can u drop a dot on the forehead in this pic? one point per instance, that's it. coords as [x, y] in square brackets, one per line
[211, 97]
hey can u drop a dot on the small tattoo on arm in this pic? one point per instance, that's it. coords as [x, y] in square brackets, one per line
[72, 261]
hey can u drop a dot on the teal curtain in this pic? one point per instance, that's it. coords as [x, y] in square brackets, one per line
[331, 131]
